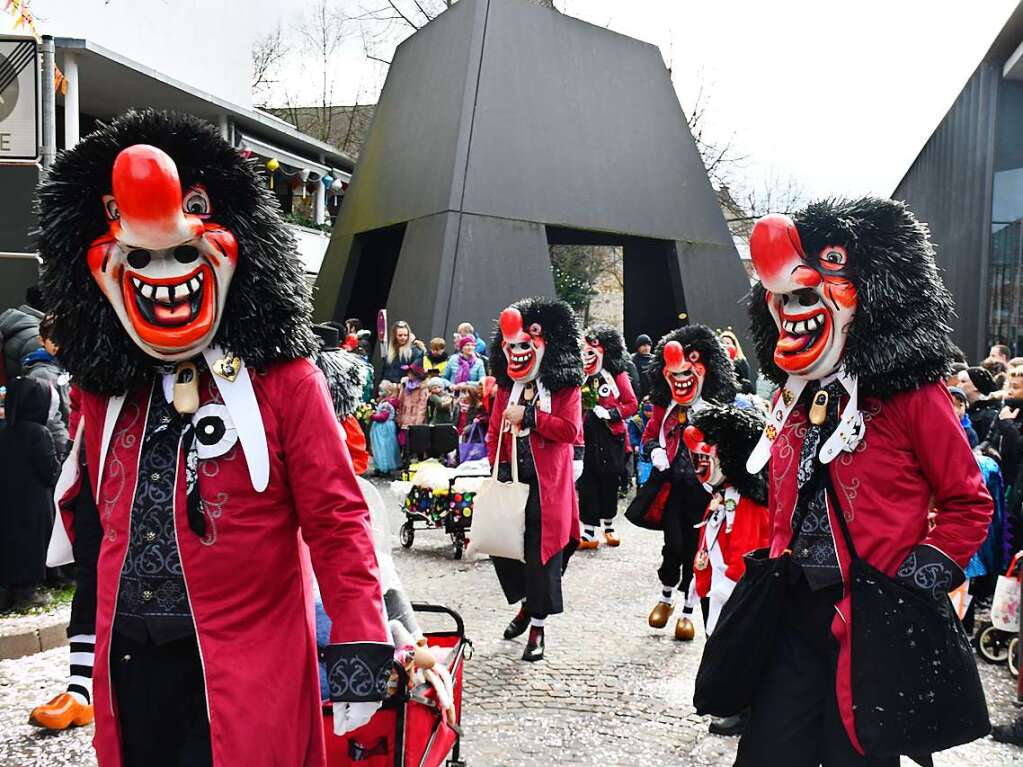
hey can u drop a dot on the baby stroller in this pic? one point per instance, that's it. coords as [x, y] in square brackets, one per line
[997, 639]
[409, 729]
[439, 498]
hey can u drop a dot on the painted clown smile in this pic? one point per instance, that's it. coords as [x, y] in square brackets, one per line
[169, 302]
[683, 386]
[519, 363]
[591, 360]
[803, 335]
[703, 466]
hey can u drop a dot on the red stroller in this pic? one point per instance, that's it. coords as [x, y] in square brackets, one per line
[409, 730]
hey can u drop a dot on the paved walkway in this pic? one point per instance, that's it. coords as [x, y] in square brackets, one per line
[611, 691]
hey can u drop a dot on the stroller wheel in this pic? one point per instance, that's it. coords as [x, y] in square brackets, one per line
[1014, 656]
[993, 645]
[407, 534]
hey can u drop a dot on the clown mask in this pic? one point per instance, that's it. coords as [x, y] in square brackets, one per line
[684, 371]
[705, 457]
[810, 297]
[593, 356]
[523, 348]
[163, 263]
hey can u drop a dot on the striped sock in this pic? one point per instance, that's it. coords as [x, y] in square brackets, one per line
[589, 532]
[83, 650]
[537, 623]
[667, 595]
[609, 525]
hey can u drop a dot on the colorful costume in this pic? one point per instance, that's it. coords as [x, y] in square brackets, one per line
[720, 439]
[850, 319]
[208, 442]
[538, 367]
[690, 370]
[608, 401]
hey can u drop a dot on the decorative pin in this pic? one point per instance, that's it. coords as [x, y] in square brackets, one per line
[186, 388]
[227, 367]
[786, 397]
[702, 560]
[771, 432]
[819, 409]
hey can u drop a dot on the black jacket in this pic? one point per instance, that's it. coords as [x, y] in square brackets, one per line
[28, 473]
[19, 334]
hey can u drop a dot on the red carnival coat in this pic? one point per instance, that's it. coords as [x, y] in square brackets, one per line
[245, 583]
[750, 530]
[652, 430]
[553, 442]
[625, 404]
[914, 455]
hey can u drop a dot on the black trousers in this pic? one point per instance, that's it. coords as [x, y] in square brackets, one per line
[598, 496]
[794, 720]
[538, 583]
[679, 549]
[161, 703]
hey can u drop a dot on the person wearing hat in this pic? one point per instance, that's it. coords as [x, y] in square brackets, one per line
[413, 398]
[978, 385]
[642, 359]
[960, 403]
[464, 366]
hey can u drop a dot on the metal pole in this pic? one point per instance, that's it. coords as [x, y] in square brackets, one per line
[71, 131]
[49, 104]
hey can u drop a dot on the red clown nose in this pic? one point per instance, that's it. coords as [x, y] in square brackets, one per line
[147, 191]
[776, 250]
[511, 323]
[693, 438]
[673, 355]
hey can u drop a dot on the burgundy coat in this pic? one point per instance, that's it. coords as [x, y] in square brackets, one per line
[553, 442]
[245, 579]
[914, 457]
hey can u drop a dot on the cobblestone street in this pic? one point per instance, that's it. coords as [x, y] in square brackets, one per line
[611, 691]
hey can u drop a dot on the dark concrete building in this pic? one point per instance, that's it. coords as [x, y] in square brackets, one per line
[503, 129]
[967, 184]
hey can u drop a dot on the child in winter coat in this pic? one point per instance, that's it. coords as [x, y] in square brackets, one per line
[413, 397]
[437, 358]
[383, 433]
[440, 407]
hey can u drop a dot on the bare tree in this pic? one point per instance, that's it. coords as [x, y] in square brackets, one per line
[267, 54]
[720, 157]
[322, 32]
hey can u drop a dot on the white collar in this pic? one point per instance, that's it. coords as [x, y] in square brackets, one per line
[847, 434]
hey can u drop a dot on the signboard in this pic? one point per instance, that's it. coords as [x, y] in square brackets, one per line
[19, 98]
[382, 331]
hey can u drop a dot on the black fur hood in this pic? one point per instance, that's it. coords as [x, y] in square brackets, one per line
[735, 431]
[266, 316]
[899, 337]
[719, 385]
[614, 346]
[562, 363]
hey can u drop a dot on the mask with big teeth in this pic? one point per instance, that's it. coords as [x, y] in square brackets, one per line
[163, 263]
[684, 371]
[705, 457]
[593, 356]
[811, 298]
[523, 347]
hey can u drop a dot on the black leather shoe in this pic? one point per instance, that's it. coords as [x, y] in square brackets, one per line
[1009, 733]
[534, 647]
[518, 625]
[728, 725]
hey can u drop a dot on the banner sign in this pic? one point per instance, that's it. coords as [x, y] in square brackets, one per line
[19, 99]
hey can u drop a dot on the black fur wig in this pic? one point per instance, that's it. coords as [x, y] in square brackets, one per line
[614, 346]
[719, 385]
[266, 315]
[344, 373]
[899, 336]
[562, 363]
[735, 431]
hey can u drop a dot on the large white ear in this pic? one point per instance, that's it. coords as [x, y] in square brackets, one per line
[240, 400]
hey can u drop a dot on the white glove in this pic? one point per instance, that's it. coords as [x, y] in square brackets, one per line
[602, 412]
[577, 470]
[440, 680]
[659, 458]
[351, 716]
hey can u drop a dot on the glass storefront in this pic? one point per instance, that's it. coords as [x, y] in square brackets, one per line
[1005, 272]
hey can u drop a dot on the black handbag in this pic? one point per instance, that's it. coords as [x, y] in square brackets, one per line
[743, 641]
[915, 683]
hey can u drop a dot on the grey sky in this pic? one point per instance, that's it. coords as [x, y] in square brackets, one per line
[838, 95]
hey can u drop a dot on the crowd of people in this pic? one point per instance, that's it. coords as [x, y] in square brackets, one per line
[817, 515]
